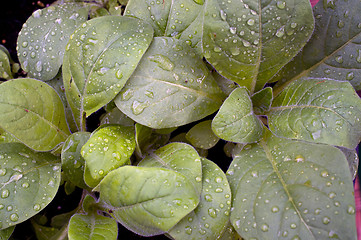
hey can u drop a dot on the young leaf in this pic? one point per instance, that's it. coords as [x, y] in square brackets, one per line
[148, 201]
[236, 121]
[71, 160]
[101, 55]
[209, 219]
[179, 157]
[202, 136]
[108, 148]
[170, 87]
[288, 189]
[5, 70]
[41, 42]
[32, 112]
[249, 41]
[28, 182]
[262, 101]
[6, 233]
[318, 110]
[333, 50]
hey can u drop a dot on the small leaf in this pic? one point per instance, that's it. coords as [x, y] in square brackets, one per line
[352, 159]
[28, 182]
[262, 101]
[148, 201]
[236, 121]
[170, 87]
[44, 232]
[37, 108]
[108, 148]
[142, 136]
[5, 69]
[202, 136]
[292, 189]
[6, 233]
[115, 116]
[318, 110]
[41, 42]
[101, 55]
[209, 219]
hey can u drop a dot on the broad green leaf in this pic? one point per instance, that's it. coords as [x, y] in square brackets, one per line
[236, 121]
[92, 227]
[148, 201]
[142, 137]
[101, 55]
[210, 218]
[318, 110]
[108, 148]
[32, 112]
[262, 101]
[71, 160]
[28, 182]
[115, 116]
[288, 189]
[333, 50]
[202, 136]
[6, 233]
[179, 157]
[41, 42]
[352, 159]
[249, 41]
[5, 69]
[170, 87]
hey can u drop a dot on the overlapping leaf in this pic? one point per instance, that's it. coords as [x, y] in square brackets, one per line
[262, 101]
[202, 136]
[5, 69]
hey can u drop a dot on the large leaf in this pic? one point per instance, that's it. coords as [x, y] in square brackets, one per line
[318, 110]
[170, 87]
[33, 112]
[288, 189]
[148, 201]
[236, 121]
[28, 182]
[249, 41]
[41, 42]
[210, 218]
[101, 55]
[334, 49]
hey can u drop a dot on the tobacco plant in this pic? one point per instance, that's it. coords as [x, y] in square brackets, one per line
[272, 83]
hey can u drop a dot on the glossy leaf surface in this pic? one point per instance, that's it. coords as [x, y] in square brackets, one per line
[202, 136]
[5, 70]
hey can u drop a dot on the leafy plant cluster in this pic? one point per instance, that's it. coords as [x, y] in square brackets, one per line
[273, 80]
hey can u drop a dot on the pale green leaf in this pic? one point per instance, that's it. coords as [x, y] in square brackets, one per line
[101, 55]
[236, 121]
[288, 189]
[5, 69]
[170, 87]
[32, 112]
[202, 136]
[28, 182]
[148, 201]
[262, 101]
[352, 159]
[41, 42]
[209, 220]
[318, 110]
[5, 234]
[249, 41]
[6, 137]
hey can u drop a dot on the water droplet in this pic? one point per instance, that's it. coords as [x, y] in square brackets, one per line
[212, 212]
[101, 172]
[326, 220]
[327, 71]
[32, 54]
[219, 190]
[264, 227]
[200, 2]
[218, 179]
[208, 198]
[223, 15]
[118, 74]
[235, 51]
[275, 209]
[217, 49]
[246, 43]
[14, 217]
[36, 207]
[332, 195]
[358, 59]
[126, 95]
[324, 173]
[233, 30]
[349, 76]
[280, 32]
[281, 4]
[25, 185]
[37, 13]
[138, 107]
[340, 24]
[198, 179]
[350, 209]
[299, 158]
[188, 230]
[2, 172]
[163, 62]
[293, 225]
[339, 59]
[39, 66]
[5, 193]
[293, 25]
[250, 22]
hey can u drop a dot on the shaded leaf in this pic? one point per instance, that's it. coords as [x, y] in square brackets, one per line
[352, 159]
[142, 137]
[115, 116]
[202, 136]
[262, 101]
[5, 69]
[43, 232]
[6, 233]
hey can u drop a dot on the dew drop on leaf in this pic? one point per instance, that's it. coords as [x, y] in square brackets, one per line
[281, 4]
[250, 22]
[14, 217]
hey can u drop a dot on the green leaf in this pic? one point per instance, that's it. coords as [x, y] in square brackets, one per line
[92, 227]
[28, 182]
[229, 234]
[41, 42]
[33, 112]
[43, 232]
[262, 101]
[210, 218]
[352, 159]
[318, 110]
[6, 233]
[170, 87]
[288, 189]
[71, 160]
[101, 55]
[5, 69]
[115, 116]
[179, 157]
[142, 137]
[225, 84]
[202, 136]
[148, 201]
[108, 148]
[249, 41]
[236, 121]
[333, 50]
[6, 137]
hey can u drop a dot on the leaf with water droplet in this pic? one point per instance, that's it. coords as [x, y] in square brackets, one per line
[115, 116]
[212, 214]
[318, 110]
[42, 40]
[96, 67]
[142, 136]
[236, 121]
[258, 31]
[183, 89]
[202, 136]
[38, 107]
[25, 175]
[5, 69]
[109, 147]
[290, 187]
[330, 52]
[262, 101]
[141, 201]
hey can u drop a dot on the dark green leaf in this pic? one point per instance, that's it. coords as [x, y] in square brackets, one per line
[6, 233]
[352, 159]
[262, 101]
[202, 136]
